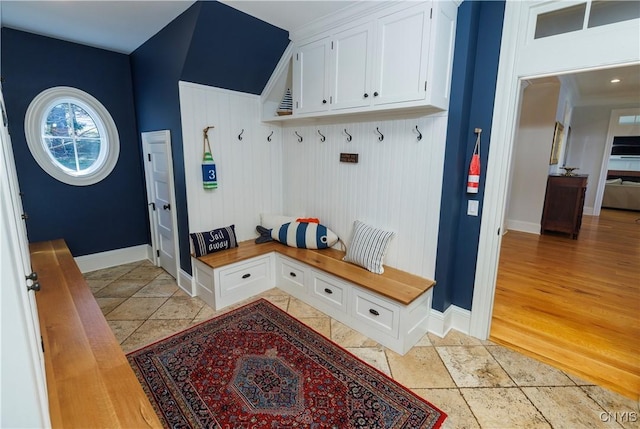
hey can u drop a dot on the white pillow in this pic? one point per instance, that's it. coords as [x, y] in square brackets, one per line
[630, 183]
[368, 247]
[614, 181]
[273, 221]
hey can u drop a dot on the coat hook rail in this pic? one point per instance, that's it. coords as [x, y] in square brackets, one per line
[322, 137]
[381, 135]
[419, 133]
[299, 137]
[240, 135]
[349, 137]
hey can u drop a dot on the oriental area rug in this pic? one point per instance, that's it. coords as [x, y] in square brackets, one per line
[258, 367]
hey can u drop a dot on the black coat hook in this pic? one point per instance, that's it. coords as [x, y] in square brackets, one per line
[299, 137]
[240, 135]
[419, 133]
[348, 135]
[381, 135]
[322, 138]
[269, 137]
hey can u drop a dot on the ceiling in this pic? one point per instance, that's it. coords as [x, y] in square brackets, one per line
[123, 26]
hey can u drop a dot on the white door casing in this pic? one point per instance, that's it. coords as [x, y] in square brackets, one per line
[520, 59]
[161, 198]
[23, 392]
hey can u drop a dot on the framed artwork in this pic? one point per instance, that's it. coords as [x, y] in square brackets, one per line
[558, 134]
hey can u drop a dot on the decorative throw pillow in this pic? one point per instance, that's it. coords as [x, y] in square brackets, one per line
[214, 240]
[368, 247]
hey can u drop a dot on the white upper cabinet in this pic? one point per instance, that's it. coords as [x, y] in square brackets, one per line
[311, 76]
[352, 67]
[393, 55]
[401, 56]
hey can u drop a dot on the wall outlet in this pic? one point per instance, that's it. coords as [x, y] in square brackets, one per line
[472, 207]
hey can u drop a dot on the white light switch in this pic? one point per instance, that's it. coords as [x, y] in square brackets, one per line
[472, 207]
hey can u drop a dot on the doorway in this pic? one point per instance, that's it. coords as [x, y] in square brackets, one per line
[158, 168]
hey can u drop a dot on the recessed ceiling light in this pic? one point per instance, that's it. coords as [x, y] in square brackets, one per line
[616, 80]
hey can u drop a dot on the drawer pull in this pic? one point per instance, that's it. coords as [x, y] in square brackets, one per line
[292, 274]
[246, 276]
[374, 312]
[327, 290]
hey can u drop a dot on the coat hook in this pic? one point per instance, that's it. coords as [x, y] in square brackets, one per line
[348, 135]
[240, 135]
[269, 137]
[419, 133]
[381, 135]
[299, 137]
[322, 138]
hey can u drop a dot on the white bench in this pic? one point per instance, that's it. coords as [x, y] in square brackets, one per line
[391, 308]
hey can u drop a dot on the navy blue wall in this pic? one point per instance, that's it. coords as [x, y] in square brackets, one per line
[105, 216]
[210, 44]
[475, 69]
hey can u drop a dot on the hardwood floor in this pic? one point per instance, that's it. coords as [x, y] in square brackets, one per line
[575, 303]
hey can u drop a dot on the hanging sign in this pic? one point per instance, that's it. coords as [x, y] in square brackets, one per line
[209, 176]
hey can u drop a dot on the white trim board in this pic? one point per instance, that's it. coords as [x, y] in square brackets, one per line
[453, 317]
[520, 59]
[111, 258]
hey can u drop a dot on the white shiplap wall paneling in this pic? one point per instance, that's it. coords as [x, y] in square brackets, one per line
[248, 169]
[396, 184]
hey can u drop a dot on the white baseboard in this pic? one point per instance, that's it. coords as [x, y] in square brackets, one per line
[111, 258]
[185, 281]
[453, 317]
[587, 211]
[518, 225]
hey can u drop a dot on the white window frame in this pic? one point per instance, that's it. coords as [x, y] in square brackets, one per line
[37, 112]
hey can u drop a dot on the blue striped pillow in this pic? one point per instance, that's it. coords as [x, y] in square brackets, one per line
[368, 247]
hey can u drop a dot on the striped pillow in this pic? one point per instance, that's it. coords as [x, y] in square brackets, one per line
[368, 247]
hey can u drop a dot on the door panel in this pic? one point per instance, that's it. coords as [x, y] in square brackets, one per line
[159, 176]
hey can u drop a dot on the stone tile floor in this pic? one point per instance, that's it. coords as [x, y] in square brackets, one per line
[477, 383]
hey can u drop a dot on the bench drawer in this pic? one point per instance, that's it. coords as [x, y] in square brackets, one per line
[329, 291]
[291, 277]
[243, 280]
[377, 313]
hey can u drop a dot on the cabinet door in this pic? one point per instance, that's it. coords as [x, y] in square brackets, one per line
[310, 77]
[402, 41]
[352, 67]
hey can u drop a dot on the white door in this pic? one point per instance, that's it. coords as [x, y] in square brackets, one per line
[401, 58]
[22, 362]
[311, 77]
[352, 67]
[160, 195]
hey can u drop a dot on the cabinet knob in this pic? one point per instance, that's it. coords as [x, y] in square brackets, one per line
[292, 274]
[324, 101]
[374, 312]
[366, 95]
[327, 290]
[246, 276]
[375, 94]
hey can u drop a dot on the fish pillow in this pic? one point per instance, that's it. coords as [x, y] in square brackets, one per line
[304, 235]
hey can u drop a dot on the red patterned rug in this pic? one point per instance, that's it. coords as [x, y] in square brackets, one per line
[258, 367]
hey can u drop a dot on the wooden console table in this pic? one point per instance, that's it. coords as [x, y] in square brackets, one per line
[563, 204]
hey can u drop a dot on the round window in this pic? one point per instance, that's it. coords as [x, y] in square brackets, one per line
[72, 136]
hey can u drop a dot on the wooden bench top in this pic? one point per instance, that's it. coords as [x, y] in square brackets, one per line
[89, 381]
[394, 284]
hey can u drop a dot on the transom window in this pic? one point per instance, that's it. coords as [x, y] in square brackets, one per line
[72, 136]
